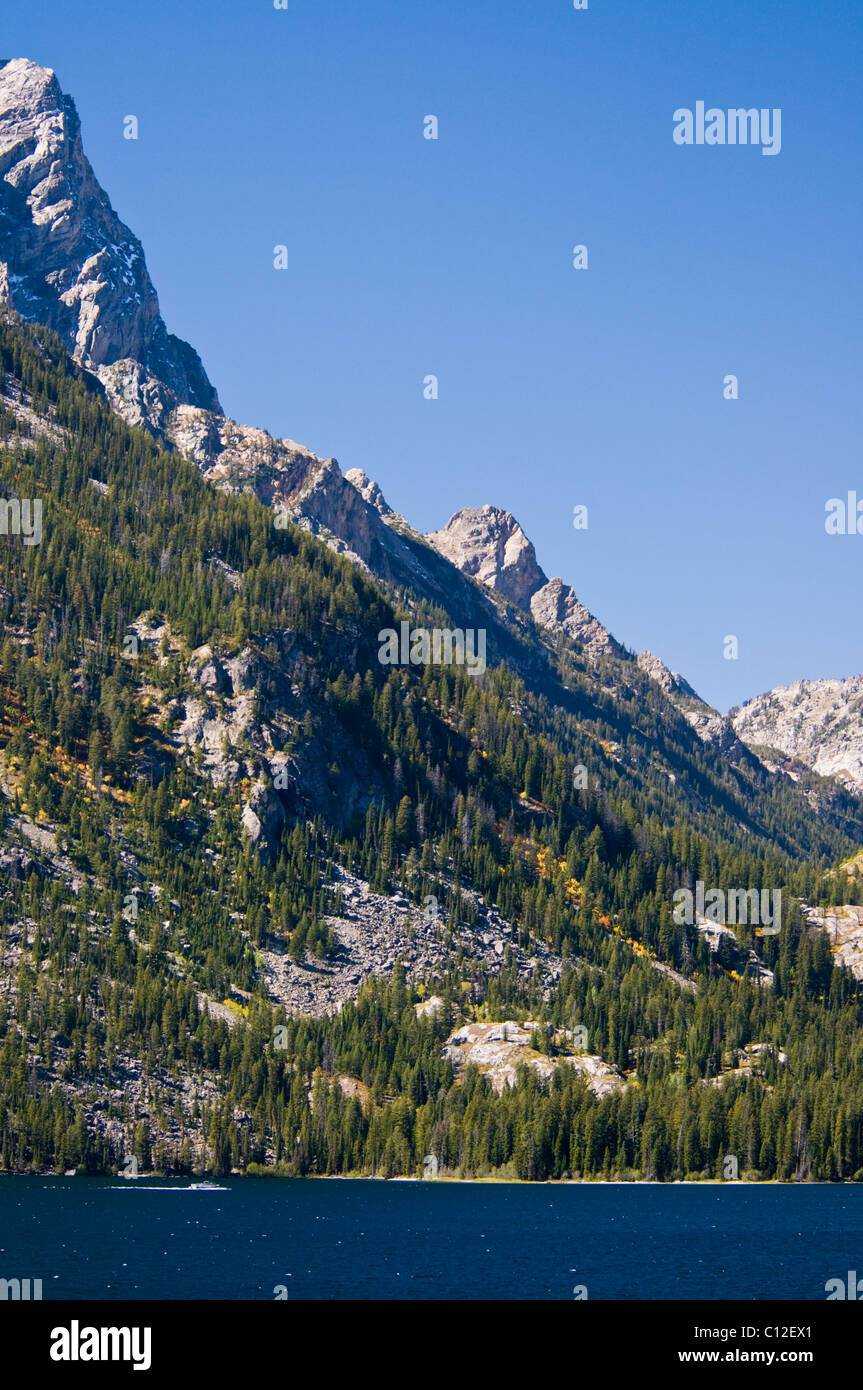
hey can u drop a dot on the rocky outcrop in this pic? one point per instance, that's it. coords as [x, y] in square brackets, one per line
[330, 507]
[844, 928]
[816, 723]
[263, 817]
[712, 728]
[669, 681]
[19, 422]
[68, 261]
[239, 456]
[488, 544]
[208, 671]
[555, 606]
[716, 730]
[499, 1049]
[370, 492]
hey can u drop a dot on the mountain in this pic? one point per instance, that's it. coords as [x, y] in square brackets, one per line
[488, 543]
[68, 261]
[268, 901]
[257, 889]
[810, 724]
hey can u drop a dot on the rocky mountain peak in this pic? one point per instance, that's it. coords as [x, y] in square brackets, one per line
[817, 723]
[488, 544]
[67, 260]
[369, 490]
[670, 681]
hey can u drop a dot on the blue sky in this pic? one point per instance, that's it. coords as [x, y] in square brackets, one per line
[454, 257]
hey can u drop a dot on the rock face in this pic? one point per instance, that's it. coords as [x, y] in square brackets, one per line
[715, 729]
[498, 1049]
[370, 492]
[670, 681]
[488, 544]
[263, 817]
[555, 606]
[816, 723]
[844, 928]
[68, 261]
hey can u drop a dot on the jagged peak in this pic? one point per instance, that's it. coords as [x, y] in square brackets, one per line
[369, 490]
[67, 260]
[488, 544]
[670, 681]
[22, 75]
[819, 723]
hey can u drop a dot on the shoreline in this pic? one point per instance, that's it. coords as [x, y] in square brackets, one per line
[489, 1180]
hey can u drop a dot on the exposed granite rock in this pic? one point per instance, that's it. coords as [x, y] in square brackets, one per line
[370, 492]
[817, 723]
[240, 457]
[555, 606]
[498, 1049]
[844, 928]
[28, 424]
[747, 962]
[15, 863]
[208, 671]
[263, 817]
[713, 728]
[68, 261]
[852, 868]
[488, 544]
[669, 681]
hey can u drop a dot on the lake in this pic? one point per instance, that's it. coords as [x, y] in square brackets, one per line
[110, 1239]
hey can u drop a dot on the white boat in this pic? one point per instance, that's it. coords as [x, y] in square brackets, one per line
[206, 1187]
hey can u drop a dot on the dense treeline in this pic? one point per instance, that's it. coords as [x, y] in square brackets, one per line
[470, 784]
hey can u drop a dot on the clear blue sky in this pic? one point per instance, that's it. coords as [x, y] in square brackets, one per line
[453, 257]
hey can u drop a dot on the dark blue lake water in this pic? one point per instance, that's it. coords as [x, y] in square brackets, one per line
[104, 1238]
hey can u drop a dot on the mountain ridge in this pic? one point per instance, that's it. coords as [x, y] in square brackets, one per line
[816, 723]
[67, 260]
[255, 886]
[83, 273]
